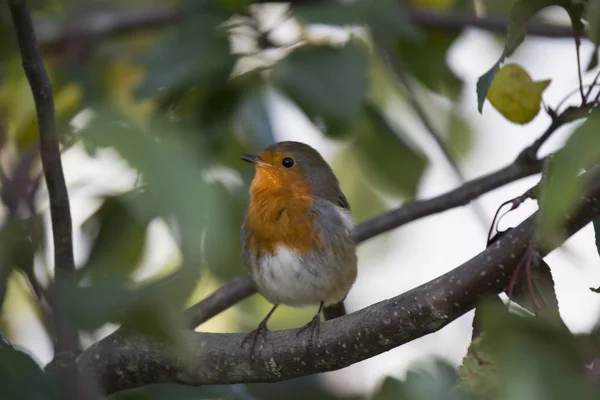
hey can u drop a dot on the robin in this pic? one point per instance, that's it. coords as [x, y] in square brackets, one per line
[296, 238]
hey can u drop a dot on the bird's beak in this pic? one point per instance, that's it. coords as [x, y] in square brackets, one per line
[256, 160]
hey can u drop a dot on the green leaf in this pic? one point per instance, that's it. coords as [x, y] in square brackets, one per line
[483, 84]
[536, 358]
[592, 16]
[460, 135]
[561, 190]
[254, 120]
[520, 14]
[177, 392]
[364, 200]
[593, 60]
[436, 383]
[536, 293]
[16, 250]
[326, 81]
[596, 224]
[119, 243]
[329, 14]
[395, 166]
[389, 17]
[23, 379]
[222, 252]
[391, 389]
[304, 388]
[427, 62]
[194, 53]
[175, 190]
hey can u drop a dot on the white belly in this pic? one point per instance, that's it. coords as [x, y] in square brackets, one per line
[284, 278]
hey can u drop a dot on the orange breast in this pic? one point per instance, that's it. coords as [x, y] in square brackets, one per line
[281, 215]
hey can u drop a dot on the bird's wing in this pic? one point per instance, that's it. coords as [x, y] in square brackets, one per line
[341, 200]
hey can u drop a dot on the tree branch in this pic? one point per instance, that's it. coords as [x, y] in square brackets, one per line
[54, 35]
[66, 346]
[121, 362]
[60, 212]
[234, 291]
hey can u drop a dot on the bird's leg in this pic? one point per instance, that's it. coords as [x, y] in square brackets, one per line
[313, 325]
[260, 330]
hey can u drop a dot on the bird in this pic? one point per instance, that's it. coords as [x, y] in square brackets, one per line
[296, 237]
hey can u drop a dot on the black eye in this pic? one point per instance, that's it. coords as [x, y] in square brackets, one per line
[287, 162]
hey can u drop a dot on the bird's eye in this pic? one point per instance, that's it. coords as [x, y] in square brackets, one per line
[287, 162]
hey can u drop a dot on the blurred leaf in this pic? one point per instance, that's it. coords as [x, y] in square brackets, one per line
[389, 17]
[515, 95]
[460, 135]
[23, 379]
[596, 224]
[175, 190]
[309, 387]
[192, 53]
[175, 392]
[254, 120]
[592, 16]
[386, 157]
[17, 105]
[16, 251]
[593, 60]
[436, 5]
[119, 244]
[541, 289]
[560, 189]
[420, 384]
[363, 199]
[222, 251]
[314, 78]
[520, 14]
[391, 389]
[483, 84]
[427, 62]
[477, 373]
[536, 359]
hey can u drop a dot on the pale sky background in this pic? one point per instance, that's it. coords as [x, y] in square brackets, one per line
[424, 249]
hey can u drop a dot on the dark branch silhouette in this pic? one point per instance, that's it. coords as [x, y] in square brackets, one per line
[120, 361]
[66, 346]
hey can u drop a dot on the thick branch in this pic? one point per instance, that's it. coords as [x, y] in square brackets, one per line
[121, 362]
[53, 36]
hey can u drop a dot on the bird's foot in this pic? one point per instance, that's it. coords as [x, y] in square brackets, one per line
[313, 326]
[252, 337]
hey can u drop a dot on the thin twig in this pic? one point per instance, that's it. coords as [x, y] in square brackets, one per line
[397, 68]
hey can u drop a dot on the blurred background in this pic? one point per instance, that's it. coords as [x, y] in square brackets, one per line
[155, 102]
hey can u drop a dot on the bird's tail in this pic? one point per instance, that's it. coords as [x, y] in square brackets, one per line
[334, 311]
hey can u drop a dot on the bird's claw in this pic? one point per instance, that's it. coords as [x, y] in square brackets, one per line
[313, 326]
[253, 336]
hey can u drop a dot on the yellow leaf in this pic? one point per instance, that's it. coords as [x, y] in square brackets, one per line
[436, 5]
[122, 78]
[515, 95]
